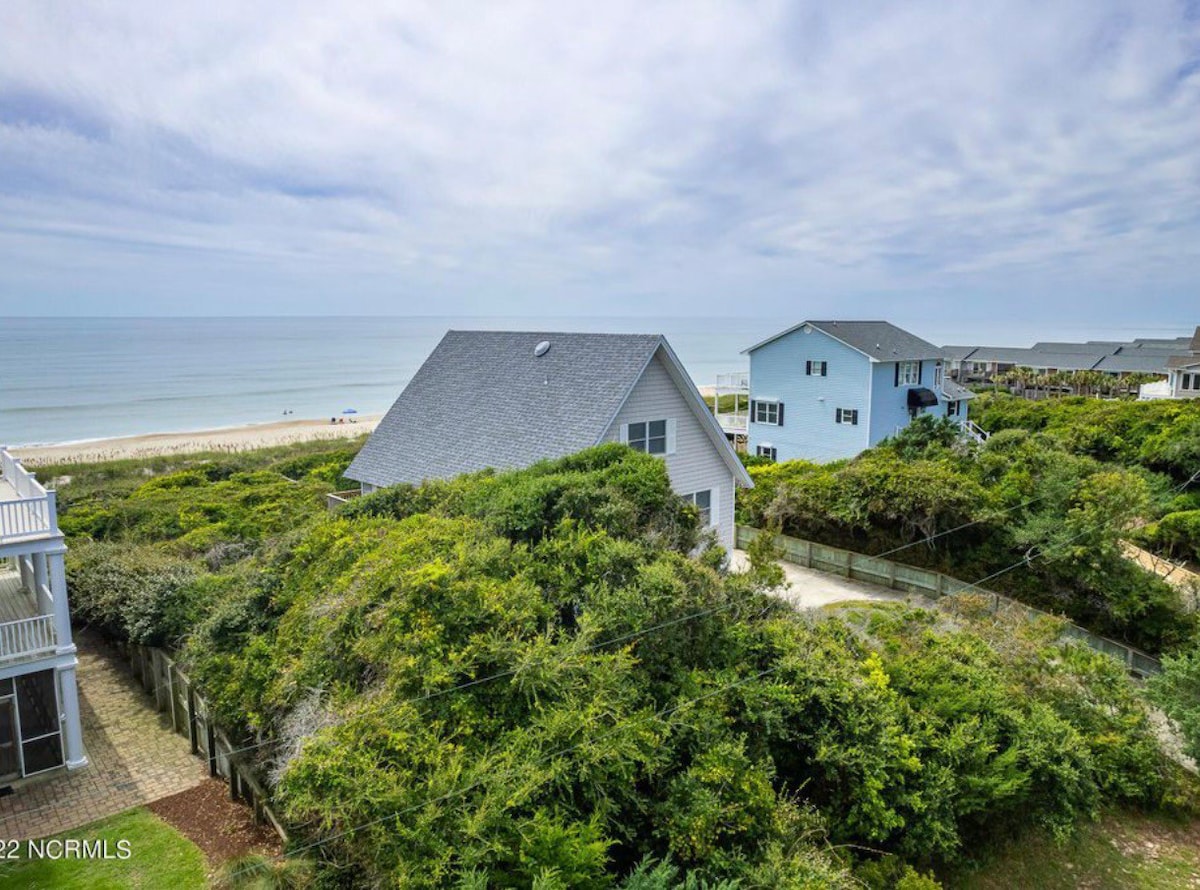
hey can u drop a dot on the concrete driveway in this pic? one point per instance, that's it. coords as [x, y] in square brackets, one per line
[810, 589]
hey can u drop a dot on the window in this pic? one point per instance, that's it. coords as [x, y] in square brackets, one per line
[767, 451]
[816, 369]
[908, 373]
[649, 436]
[1189, 381]
[952, 409]
[847, 415]
[767, 412]
[703, 502]
[937, 376]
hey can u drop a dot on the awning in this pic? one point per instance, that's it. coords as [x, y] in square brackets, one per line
[920, 397]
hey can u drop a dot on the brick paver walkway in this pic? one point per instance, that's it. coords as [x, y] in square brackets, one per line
[133, 755]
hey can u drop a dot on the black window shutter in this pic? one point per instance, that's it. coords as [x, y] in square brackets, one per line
[837, 417]
[897, 383]
[808, 368]
[824, 369]
[854, 417]
[753, 411]
[779, 417]
[920, 368]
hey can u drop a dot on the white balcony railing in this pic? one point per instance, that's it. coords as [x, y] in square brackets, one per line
[26, 509]
[27, 638]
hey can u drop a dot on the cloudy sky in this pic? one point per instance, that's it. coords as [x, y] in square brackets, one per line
[917, 159]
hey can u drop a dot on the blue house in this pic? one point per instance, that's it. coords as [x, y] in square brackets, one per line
[826, 390]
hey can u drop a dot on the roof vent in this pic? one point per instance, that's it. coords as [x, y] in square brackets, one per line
[541, 349]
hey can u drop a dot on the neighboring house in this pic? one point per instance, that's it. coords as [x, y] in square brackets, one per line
[825, 390]
[1184, 371]
[1111, 357]
[507, 400]
[39, 702]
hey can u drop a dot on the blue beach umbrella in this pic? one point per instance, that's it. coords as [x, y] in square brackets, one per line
[350, 411]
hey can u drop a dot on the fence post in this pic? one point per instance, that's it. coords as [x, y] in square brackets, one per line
[891, 569]
[171, 693]
[808, 554]
[193, 740]
[849, 560]
[940, 589]
[212, 750]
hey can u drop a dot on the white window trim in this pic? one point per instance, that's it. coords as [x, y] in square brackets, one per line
[846, 413]
[713, 503]
[761, 403]
[910, 373]
[671, 436]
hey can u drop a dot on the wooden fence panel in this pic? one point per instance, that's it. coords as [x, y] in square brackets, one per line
[190, 716]
[900, 576]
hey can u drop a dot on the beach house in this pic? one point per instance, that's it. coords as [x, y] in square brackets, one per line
[1183, 371]
[39, 704]
[825, 390]
[508, 399]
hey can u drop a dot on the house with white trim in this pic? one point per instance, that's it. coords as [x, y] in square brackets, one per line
[507, 400]
[1183, 371]
[827, 390]
[40, 728]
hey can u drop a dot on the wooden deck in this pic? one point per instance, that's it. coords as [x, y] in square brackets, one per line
[15, 602]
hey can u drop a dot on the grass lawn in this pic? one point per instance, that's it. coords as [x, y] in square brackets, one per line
[160, 857]
[1122, 850]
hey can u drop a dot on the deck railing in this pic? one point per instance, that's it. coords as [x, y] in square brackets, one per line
[27, 638]
[33, 512]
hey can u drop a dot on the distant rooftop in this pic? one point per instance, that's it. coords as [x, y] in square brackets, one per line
[1149, 354]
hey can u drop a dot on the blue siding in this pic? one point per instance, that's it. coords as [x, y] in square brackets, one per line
[889, 403]
[809, 429]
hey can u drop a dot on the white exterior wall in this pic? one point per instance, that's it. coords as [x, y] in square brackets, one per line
[695, 464]
[1176, 381]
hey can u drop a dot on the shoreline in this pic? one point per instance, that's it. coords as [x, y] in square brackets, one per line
[245, 437]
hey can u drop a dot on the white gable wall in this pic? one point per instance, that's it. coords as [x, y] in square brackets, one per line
[696, 464]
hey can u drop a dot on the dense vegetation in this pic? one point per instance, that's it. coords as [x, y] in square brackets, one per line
[1039, 510]
[535, 679]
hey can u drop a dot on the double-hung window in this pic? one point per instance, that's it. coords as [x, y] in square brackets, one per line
[1190, 382]
[908, 373]
[848, 416]
[703, 502]
[649, 436]
[770, 413]
[816, 369]
[767, 451]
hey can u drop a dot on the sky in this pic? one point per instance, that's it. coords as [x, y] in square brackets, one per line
[984, 163]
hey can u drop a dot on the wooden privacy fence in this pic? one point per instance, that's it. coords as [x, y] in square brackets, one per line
[898, 576]
[174, 694]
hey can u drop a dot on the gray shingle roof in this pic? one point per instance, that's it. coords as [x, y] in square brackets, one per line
[957, 353]
[483, 399]
[1033, 358]
[1150, 361]
[1092, 347]
[955, 393]
[880, 340]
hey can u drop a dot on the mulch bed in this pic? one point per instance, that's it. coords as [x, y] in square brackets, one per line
[214, 823]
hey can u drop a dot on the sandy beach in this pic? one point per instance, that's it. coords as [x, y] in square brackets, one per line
[240, 438]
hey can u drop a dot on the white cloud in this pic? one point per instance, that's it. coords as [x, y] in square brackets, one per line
[616, 156]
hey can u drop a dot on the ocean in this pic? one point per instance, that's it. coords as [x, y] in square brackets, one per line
[72, 379]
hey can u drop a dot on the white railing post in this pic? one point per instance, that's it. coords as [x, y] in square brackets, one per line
[58, 591]
[52, 511]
